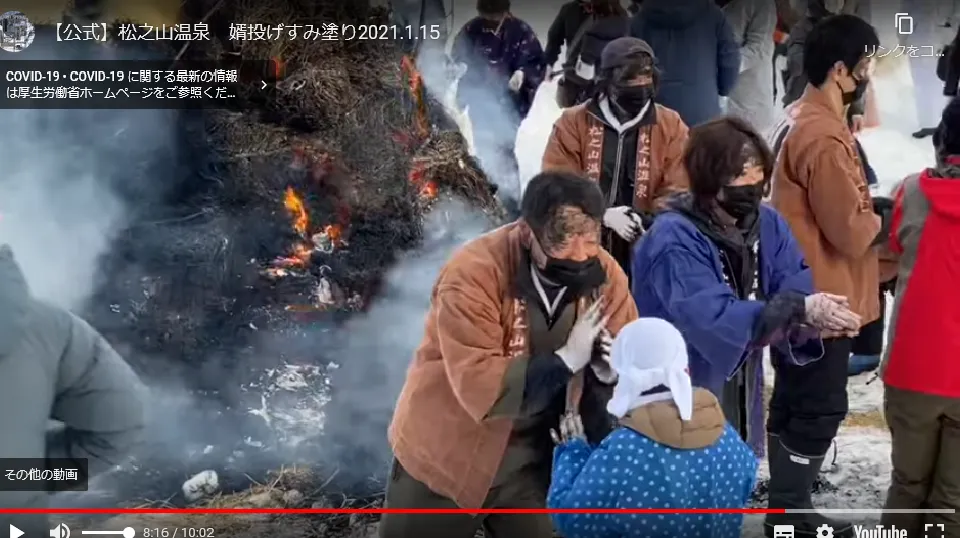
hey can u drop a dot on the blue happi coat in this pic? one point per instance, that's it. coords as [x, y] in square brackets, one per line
[491, 58]
[678, 276]
[630, 470]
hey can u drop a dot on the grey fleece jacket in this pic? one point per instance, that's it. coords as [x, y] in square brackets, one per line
[54, 366]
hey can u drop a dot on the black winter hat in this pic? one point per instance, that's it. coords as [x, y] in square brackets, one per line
[946, 139]
[624, 51]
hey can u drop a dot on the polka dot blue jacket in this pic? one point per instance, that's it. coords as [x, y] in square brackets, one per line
[629, 470]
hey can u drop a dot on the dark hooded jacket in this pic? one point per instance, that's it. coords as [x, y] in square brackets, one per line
[697, 53]
[54, 366]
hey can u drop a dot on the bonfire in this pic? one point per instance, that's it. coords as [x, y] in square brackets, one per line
[308, 191]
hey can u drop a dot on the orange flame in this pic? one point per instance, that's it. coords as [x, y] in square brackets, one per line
[429, 190]
[335, 234]
[417, 176]
[417, 91]
[297, 210]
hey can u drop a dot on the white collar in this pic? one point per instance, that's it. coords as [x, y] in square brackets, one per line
[551, 307]
[612, 118]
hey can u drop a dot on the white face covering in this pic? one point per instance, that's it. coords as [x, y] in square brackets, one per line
[648, 353]
[833, 6]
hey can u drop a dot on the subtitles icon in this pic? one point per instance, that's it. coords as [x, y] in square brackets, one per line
[904, 23]
[783, 531]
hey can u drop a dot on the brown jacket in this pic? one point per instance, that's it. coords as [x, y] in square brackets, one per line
[820, 188]
[661, 422]
[576, 145]
[450, 427]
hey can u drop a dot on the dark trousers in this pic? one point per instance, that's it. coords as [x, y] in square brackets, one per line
[522, 490]
[809, 402]
[925, 439]
[870, 339]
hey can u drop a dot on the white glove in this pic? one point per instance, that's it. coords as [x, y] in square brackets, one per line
[601, 365]
[578, 350]
[624, 221]
[831, 313]
[516, 81]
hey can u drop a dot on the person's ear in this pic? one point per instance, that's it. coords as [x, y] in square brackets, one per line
[838, 71]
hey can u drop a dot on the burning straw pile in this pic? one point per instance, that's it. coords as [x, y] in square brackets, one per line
[301, 199]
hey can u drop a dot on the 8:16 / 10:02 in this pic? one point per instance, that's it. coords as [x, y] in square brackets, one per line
[178, 532]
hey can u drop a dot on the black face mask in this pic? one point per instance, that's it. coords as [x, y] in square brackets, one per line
[857, 93]
[742, 200]
[490, 24]
[632, 99]
[578, 277]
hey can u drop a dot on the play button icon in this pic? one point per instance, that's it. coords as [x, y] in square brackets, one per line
[15, 532]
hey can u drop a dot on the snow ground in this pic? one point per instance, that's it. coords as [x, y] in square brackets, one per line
[862, 468]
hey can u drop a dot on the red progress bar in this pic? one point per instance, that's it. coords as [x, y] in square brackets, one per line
[242, 511]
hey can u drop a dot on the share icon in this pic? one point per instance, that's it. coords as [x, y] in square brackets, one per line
[128, 532]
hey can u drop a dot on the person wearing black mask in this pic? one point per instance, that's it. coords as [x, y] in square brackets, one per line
[820, 187]
[726, 270]
[621, 139]
[517, 335]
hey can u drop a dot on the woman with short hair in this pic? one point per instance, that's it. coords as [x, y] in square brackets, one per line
[726, 270]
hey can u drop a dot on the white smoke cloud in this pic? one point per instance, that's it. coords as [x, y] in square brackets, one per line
[59, 203]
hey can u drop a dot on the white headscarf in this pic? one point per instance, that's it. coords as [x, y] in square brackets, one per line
[647, 353]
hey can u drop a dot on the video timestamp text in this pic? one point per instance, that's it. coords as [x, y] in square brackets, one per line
[178, 532]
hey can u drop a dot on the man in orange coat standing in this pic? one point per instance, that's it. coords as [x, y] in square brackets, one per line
[620, 138]
[518, 334]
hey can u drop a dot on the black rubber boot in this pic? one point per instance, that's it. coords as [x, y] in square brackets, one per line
[791, 477]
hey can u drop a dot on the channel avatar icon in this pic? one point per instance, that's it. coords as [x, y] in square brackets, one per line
[16, 31]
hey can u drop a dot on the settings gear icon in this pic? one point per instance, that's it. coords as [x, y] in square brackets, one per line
[824, 531]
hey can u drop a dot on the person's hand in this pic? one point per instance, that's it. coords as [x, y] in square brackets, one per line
[831, 313]
[571, 427]
[856, 123]
[578, 350]
[601, 360]
[516, 81]
[624, 221]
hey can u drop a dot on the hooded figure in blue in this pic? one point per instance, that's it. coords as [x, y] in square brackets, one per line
[725, 269]
[673, 449]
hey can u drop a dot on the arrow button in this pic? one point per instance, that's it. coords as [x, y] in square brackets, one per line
[15, 532]
[264, 85]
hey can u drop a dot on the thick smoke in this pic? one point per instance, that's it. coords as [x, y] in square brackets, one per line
[69, 179]
[489, 106]
[378, 347]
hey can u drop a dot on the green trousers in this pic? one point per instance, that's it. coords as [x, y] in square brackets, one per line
[925, 438]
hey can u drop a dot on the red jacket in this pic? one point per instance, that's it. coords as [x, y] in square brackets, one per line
[924, 334]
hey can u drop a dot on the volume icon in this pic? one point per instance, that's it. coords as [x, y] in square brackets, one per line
[60, 531]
